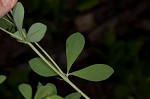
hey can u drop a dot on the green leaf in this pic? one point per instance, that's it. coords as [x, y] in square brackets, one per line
[74, 95]
[2, 78]
[26, 91]
[17, 34]
[41, 68]
[97, 72]
[18, 15]
[39, 85]
[45, 91]
[36, 32]
[53, 88]
[56, 97]
[74, 46]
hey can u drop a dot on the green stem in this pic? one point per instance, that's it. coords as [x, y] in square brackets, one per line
[76, 88]
[57, 71]
[10, 17]
[7, 20]
[10, 34]
[43, 58]
[53, 62]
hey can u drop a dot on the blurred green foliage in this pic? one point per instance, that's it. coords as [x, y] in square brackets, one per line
[131, 69]
[9, 89]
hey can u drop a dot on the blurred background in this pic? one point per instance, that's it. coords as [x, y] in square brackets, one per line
[117, 33]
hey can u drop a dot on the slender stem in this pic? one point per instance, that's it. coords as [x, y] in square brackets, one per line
[48, 56]
[43, 58]
[61, 74]
[7, 20]
[10, 34]
[76, 88]
[10, 17]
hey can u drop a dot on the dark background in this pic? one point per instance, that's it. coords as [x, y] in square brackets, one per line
[116, 32]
